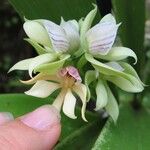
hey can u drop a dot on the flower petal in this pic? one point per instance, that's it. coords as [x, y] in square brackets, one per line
[59, 100]
[72, 71]
[86, 24]
[81, 90]
[42, 76]
[57, 35]
[21, 65]
[39, 60]
[90, 76]
[108, 18]
[101, 37]
[43, 89]
[118, 53]
[103, 68]
[39, 49]
[52, 67]
[112, 106]
[101, 93]
[132, 85]
[115, 66]
[37, 32]
[72, 32]
[130, 70]
[69, 105]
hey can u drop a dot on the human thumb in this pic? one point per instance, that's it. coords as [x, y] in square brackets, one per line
[38, 130]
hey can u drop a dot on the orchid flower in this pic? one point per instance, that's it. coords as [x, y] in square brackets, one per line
[55, 40]
[63, 38]
[68, 81]
[97, 44]
[63, 45]
[98, 40]
[126, 79]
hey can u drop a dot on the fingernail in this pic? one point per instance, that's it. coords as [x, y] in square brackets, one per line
[42, 118]
[5, 117]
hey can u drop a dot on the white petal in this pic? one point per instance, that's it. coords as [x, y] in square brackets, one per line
[133, 85]
[72, 32]
[43, 89]
[69, 105]
[21, 65]
[118, 53]
[57, 35]
[101, 93]
[41, 59]
[59, 100]
[112, 106]
[37, 32]
[90, 76]
[115, 66]
[101, 37]
[81, 90]
[42, 76]
[108, 18]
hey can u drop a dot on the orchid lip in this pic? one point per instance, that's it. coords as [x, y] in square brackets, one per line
[72, 72]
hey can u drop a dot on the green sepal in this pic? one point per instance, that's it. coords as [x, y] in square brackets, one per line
[39, 49]
[85, 26]
[21, 65]
[118, 53]
[112, 107]
[90, 76]
[53, 66]
[41, 60]
[101, 92]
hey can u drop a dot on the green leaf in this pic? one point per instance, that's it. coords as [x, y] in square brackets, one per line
[20, 104]
[131, 132]
[82, 138]
[52, 9]
[132, 16]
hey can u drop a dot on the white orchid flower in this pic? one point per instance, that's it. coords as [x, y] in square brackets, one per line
[98, 40]
[69, 81]
[57, 38]
[121, 74]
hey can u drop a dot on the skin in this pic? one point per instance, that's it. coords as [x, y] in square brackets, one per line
[28, 133]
